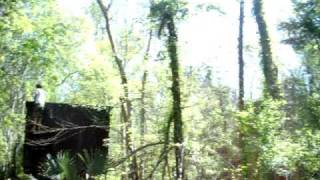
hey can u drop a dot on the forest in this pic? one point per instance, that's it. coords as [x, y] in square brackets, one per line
[199, 89]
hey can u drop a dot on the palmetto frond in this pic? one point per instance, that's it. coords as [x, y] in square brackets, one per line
[94, 161]
[62, 167]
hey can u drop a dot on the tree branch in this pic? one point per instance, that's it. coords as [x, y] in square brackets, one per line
[161, 158]
[105, 13]
[115, 164]
[66, 77]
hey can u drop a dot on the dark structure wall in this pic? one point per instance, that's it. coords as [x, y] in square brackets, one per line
[62, 127]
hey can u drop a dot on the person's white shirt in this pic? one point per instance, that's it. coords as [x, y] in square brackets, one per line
[40, 97]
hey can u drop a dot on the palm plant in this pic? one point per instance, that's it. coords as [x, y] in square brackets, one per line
[94, 161]
[61, 167]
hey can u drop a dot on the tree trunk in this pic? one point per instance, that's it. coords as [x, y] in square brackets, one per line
[143, 110]
[240, 161]
[176, 106]
[270, 70]
[125, 102]
[241, 62]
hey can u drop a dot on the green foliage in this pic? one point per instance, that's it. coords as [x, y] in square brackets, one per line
[262, 118]
[283, 157]
[301, 152]
[304, 28]
[208, 117]
[2, 150]
[62, 166]
[161, 12]
[210, 7]
[303, 33]
[260, 125]
[313, 110]
[39, 43]
[311, 141]
[94, 161]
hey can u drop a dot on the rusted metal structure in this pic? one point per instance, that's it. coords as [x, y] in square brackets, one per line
[63, 127]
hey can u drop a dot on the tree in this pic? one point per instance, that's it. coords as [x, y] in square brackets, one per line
[165, 12]
[303, 34]
[241, 106]
[302, 87]
[125, 102]
[240, 56]
[269, 67]
[143, 103]
[35, 46]
[303, 29]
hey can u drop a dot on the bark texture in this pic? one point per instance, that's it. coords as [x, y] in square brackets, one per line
[270, 69]
[240, 54]
[241, 159]
[176, 95]
[126, 107]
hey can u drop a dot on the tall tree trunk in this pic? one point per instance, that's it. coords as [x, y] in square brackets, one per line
[176, 106]
[142, 121]
[143, 110]
[125, 101]
[270, 70]
[240, 53]
[142, 99]
[241, 158]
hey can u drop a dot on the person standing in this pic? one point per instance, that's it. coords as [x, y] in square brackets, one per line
[39, 99]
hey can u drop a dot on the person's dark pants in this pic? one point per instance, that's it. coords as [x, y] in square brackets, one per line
[37, 116]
